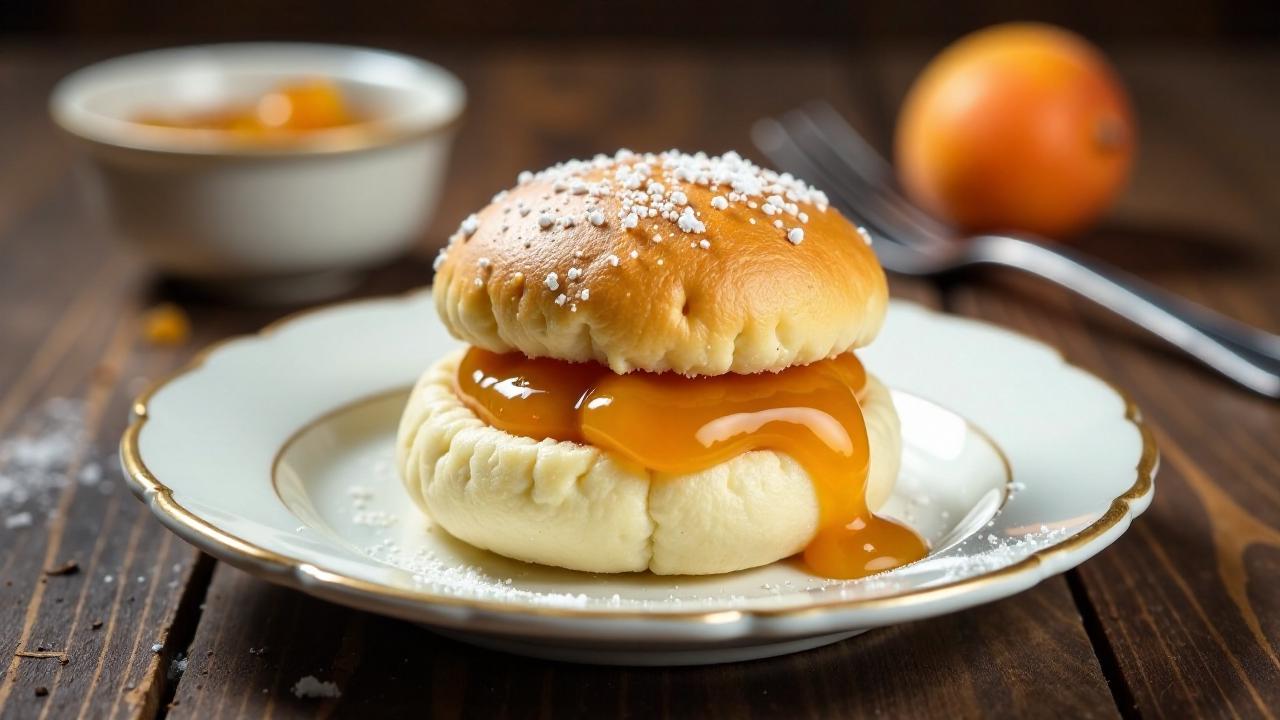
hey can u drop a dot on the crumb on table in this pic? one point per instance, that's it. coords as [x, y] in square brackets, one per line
[166, 324]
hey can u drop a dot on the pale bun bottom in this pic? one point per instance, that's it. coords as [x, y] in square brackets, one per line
[574, 506]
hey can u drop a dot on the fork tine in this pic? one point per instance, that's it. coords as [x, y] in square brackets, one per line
[860, 160]
[859, 196]
[863, 159]
[868, 197]
[775, 140]
[860, 153]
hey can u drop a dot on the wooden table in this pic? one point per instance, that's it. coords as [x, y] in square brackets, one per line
[1179, 618]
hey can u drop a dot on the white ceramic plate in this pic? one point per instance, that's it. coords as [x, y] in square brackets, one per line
[274, 453]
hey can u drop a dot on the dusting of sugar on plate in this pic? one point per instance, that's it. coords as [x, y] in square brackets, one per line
[439, 571]
[309, 686]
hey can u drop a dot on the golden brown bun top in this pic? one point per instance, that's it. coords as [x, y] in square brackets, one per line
[669, 262]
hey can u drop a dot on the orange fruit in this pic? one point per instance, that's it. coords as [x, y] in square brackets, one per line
[1018, 127]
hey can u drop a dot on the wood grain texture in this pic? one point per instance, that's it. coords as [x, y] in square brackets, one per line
[1188, 602]
[1008, 659]
[68, 334]
[1184, 610]
[131, 572]
[69, 301]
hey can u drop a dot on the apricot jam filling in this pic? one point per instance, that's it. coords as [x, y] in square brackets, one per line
[296, 107]
[673, 424]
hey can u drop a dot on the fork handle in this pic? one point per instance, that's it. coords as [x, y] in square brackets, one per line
[1249, 357]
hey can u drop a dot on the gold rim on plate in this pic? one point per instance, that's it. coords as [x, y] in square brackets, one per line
[301, 574]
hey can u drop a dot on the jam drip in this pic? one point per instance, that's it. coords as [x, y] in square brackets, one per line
[673, 424]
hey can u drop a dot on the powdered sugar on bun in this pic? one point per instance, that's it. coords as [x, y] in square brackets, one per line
[662, 262]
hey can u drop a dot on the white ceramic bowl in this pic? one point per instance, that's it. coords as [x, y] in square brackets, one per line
[270, 220]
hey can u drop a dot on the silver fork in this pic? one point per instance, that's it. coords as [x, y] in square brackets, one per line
[817, 144]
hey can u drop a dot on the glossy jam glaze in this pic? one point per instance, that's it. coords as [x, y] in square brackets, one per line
[675, 425]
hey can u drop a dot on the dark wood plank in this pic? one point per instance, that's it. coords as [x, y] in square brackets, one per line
[1203, 574]
[68, 334]
[124, 596]
[1188, 603]
[70, 361]
[1008, 659]
[1188, 599]
[1015, 658]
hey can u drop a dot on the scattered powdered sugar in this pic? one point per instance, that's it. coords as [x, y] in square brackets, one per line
[689, 222]
[39, 459]
[374, 518]
[650, 193]
[470, 225]
[446, 576]
[397, 542]
[177, 667]
[360, 496]
[310, 686]
[987, 551]
[90, 474]
[18, 520]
